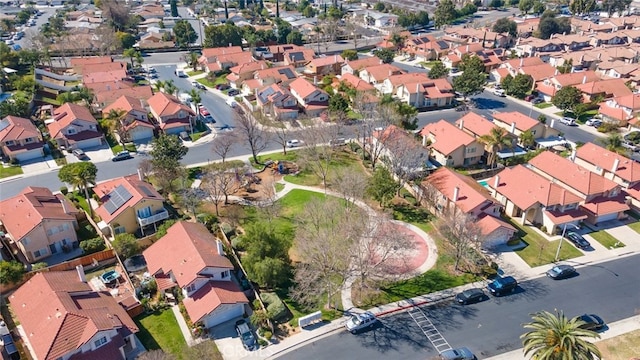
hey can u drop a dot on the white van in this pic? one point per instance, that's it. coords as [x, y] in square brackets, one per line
[185, 98]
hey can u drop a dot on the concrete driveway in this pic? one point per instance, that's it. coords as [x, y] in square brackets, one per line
[229, 343]
[95, 155]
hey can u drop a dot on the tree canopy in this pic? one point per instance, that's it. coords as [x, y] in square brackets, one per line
[184, 33]
[386, 55]
[550, 24]
[517, 86]
[222, 35]
[567, 98]
[166, 154]
[506, 25]
[445, 13]
[438, 71]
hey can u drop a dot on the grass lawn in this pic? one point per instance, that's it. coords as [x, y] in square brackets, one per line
[160, 331]
[290, 156]
[635, 226]
[621, 347]
[606, 239]
[353, 115]
[428, 64]
[279, 187]
[222, 79]
[294, 201]
[540, 251]
[10, 171]
[194, 73]
[81, 200]
[206, 82]
[543, 105]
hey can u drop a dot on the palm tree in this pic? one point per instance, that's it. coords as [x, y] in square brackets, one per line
[115, 119]
[193, 60]
[555, 337]
[195, 95]
[67, 97]
[614, 142]
[497, 140]
[170, 87]
[158, 85]
[527, 139]
[86, 94]
[398, 40]
[131, 53]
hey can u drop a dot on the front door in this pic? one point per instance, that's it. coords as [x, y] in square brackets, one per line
[53, 248]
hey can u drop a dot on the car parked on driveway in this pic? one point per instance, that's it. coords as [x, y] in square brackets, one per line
[246, 335]
[593, 122]
[360, 321]
[470, 296]
[123, 155]
[561, 272]
[537, 101]
[502, 285]
[79, 154]
[577, 240]
[592, 322]
[233, 92]
[457, 354]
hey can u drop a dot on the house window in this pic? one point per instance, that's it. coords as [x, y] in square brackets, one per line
[225, 274]
[52, 231]
[471, 150]
[93, 127]
[28, 140]
[191, 288]
[9, 143]
[71, 131]
[100, 342]
[322, 98]
[65, 227]
[40, 253]
[26, 241]
[533, 132]
[118, 230]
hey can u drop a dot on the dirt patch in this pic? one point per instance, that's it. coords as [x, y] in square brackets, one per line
[623, 347]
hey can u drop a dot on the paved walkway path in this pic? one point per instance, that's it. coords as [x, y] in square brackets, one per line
[183, 326]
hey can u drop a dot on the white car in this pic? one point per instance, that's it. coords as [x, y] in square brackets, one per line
[499, 92]
[568, 121]
[293, 143]
[360, 321]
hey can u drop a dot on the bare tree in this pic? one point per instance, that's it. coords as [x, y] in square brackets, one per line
[221, 182]
[108, 41]
[281, 136]
[351, 185]
[191, 199]
[376, 135]
[251, 132]
[269, 206]
[352, 30]
[316, 155]
[145, 166]
[223, 144]
[461, 230]
[405, 157]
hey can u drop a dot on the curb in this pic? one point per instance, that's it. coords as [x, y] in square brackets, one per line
[304, 342]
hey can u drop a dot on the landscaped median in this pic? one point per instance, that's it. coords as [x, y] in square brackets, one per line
[10, 170]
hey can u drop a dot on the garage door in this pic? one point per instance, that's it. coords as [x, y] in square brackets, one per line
[89, 143]
[607, 217]
[30, 155]
[495, 241]
[224, 313]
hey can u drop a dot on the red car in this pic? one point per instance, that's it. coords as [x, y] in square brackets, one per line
[203, 111]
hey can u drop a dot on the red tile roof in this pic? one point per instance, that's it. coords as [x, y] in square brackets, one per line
[382, 71]
[81, 61]
[476, 124]
[610, 87]
[59, 313]
[629, 101]
[360, 64]
[248, 67]
[606, 205]
[104, 67]
[471, 195]
[616, 113]
[327, 61]
[571, 174]
[186, 250]
[522, 62]
[489, 224]
[303, 87]
[212, 295]
[102, 76]
[525, 188]
[627, 169]
[356, 82]
[17, 129]
[106, 97]
[559, 217]
[214, 52]
[539, 72]
[523, 122]
[139, 190]
[447, 137]
[124, 103]
[66, 114]
[166, 105]
[33, 205]
[402, 79]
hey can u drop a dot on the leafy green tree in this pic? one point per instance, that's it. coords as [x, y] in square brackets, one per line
[471, 63]
[614, 142]
[184, 33]
[131, 54]
[39, 266]
[222, 35]
[468, 9]
[386, 55]
[350, 55]
[126, 245]
[162, 229]
[550, 24]
[125, 39]
[382, 187]
[539, 7]
[506, 25]
[445, 13]
[309, 12]
[166, 154]
[81, 175]
[438, 71]
[556, 337]
[173, 4]
[519, 86]
[407, 115]
[338, 103]
[496, 4]
[92, 245]
[527, 139]
[471, 82]
[497, 140]
[525, 6]
[295, 37]
[379, 6]
[580, 7]
[267, 254]
[567, 98]
[11, 272]
[18, 107]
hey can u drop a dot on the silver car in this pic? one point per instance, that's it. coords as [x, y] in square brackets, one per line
[360, 321]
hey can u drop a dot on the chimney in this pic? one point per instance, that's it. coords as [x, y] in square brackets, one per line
[456, 193]
[467, 49]
[424, 140]
[496, 182]
[335, 59]
[220, 248]
[315, 80]
[584, 79]
[513, 127]
[417, 88]
[140, 177]
[573, 155]
[65, 208]
[381, 62]
[521, 62]
[556, 73]
[230, 44]
[81, 276]
[461, 124]
[390, 72]
[616, 162]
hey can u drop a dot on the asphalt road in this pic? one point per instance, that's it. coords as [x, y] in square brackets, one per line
[493, 327]
[31, 31]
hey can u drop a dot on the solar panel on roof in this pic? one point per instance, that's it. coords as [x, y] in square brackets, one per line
[110, 207]
[287, 72]
[118, 197]
[147, 191]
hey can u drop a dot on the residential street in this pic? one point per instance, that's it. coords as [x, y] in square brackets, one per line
[607, 289]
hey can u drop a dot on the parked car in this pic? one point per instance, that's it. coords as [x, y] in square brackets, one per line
[233, 92]
[184, 136]
[200, 86]
[502, 285]
[151, 70]
[529, 98]
[123, 155]
[470, 296]
[79, 154]
[592, 322]
[537, 101]
[223, 87]
[293, 143]
[631, 146]
[203, 111]
[246, 335]
[568, 121]
[209, 119]
[561, 272]
[360, 321]
[457, 354]
[577, 240]
[499, 92]
[593, 122]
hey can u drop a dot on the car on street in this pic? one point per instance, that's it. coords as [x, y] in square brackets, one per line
[631, 146]
[457, 354]
[232, 103]
[293, 143]
[209, 119]
[123, 155]
[151, 70]
[577, 240]
[592, 322]
[360, 321]
[233, 92]
[246, 335]
[559, 272]
[203, 111]
[499, 92]
[568, 121]
[593, 122]
[471, 296]
[79, 154]
[502, 285]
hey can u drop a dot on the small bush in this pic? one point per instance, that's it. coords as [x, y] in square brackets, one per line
[354, 146]
[39, 266]
[92, 245]
[275, 307]
[64, 190]
[262, 342]
[268, 335]
[236, 243]
[543, 229]
[607, 127]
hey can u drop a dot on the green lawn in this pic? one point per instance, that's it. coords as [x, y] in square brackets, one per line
[10, 171]
[635, 226]
[543, 105]
[194, 73]
[279, 187]
[353, 115]
[341, 160]
[222, 79]
[607, 240]
[294, 201]
[540, 251]
[160, 331]
[80, 199]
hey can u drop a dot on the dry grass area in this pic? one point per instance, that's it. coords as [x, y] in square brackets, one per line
[623, 347]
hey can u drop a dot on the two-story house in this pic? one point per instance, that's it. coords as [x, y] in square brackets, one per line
[210, 55]
[574, 42]
[512, 67]
[602, 199]
[239, 74]
[606, 88]
[621, 109]
[620, 169]
[133, 118]
[355, 66]
[73, 127]
[530, 198]
[455, 192]
[376, 74]
[128, 204]
[173, 116]
[427, 94]
[426, 47]
[517, 123]
[191, 258]
[39, 224]
[64, 319]
[534, 47]
[298, 58]
[277, 102]
[322, 66]
[451, 146]
[391, 83]
[20, 139]
[313, 100]
[610, 39]
[548, 87]
[478, 126]
[227, 61]
[276, 75]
